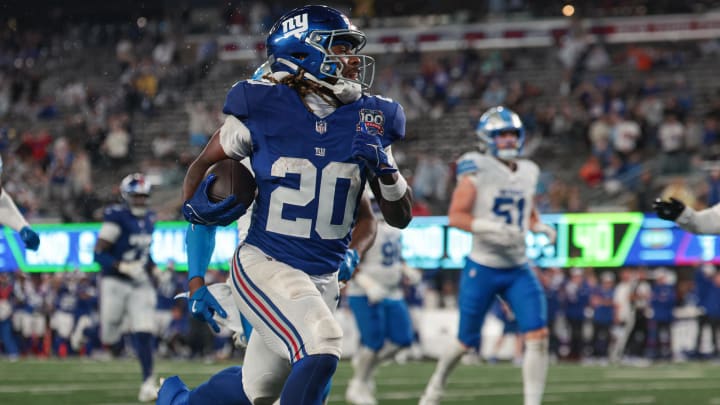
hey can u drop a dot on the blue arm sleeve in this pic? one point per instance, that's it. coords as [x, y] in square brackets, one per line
[200, 243]
[105, 260]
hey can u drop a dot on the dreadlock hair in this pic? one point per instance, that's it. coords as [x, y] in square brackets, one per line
[304, 87]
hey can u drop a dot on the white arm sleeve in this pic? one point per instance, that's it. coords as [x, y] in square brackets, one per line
[109, 231]
[235, 138]
[706, 221]
[9, 213]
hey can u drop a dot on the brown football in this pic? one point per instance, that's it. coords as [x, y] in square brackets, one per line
[233, 178]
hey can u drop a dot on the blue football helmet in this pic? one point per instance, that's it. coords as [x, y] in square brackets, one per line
[301, 39]
[496, 121]
[261, 71]
[135, 185]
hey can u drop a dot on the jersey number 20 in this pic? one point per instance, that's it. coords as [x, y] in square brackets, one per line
[302, 196]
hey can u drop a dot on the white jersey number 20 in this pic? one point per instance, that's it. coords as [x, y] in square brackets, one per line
[302, 196]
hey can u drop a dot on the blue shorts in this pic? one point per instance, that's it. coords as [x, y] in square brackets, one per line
[388, 319]
[518, 286]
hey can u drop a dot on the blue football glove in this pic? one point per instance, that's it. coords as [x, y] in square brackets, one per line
[347, 267]
[30, 238]
[367, 147]
[199, 210]
[203, 305]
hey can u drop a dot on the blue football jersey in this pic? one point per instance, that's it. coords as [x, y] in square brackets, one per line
[309, 185]
[135, 237]
[167, 289]
[66, 300]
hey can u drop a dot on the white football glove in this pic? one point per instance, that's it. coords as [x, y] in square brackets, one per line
[548, 230]
[134, 269]
[374, 290]
[514, 235]
[239, 340]
[500, 234]
[414, 276]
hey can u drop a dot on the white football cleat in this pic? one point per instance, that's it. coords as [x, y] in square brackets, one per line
[433, 393]
[148, 390]
[359, 393]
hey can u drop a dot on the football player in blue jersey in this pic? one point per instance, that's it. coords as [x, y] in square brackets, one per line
[494, 201]
[11, 216]
[314, 139]
[126, 290]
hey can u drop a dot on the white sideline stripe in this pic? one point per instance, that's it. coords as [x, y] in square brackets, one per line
[553, 390]
[117, 403]
[382, 381]
[636, 400]
[65, 388]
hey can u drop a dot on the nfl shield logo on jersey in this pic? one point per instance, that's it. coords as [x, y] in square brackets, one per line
[321, 127]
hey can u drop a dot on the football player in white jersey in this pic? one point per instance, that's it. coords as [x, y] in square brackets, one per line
[375, 296]
[493, 199]
[705, 222]
[11, 216]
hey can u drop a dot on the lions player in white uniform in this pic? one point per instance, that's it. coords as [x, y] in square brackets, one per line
[706, 222]
[494, 200]
[375, 297]
[11, 216]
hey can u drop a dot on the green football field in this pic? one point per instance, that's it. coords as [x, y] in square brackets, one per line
[115, 382]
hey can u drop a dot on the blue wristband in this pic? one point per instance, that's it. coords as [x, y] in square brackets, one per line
[200, 243]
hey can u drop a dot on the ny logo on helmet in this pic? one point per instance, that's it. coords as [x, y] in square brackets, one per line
[295, 25]
[374, 121]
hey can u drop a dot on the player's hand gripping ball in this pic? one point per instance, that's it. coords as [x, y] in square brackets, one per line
[223, 202]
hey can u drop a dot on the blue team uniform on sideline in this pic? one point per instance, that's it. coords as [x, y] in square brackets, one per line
[135, 236]
[309, 185]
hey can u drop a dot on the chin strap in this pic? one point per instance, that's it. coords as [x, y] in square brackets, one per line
[346, 91]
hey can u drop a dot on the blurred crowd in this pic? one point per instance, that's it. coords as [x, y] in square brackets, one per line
[626, 315]
[610, 125]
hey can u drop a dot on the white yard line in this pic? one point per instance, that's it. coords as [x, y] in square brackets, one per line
[636, 400]
[461, 394]
[59, 388]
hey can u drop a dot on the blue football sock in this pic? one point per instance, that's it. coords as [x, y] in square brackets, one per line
[144, 350]
[308, 380]
[326, 392]
[173, 392]
[223, 388]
